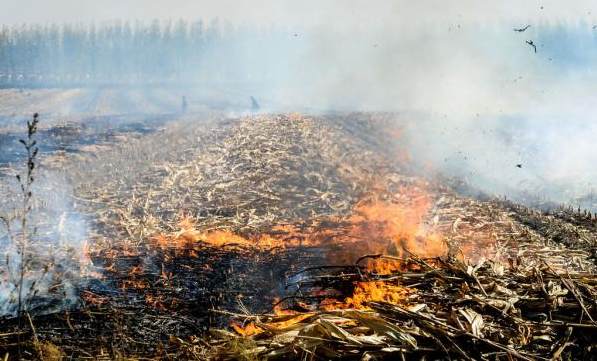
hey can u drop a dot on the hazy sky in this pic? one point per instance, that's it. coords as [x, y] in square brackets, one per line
[296, 12]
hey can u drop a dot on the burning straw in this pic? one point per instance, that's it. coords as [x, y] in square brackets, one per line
[429, 308]
[312, 229]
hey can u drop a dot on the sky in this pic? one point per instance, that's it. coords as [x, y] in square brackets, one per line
[341, 13]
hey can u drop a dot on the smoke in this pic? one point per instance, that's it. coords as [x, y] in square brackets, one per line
[473, 96]
[339, 13]
[475, 100]
[55, 261]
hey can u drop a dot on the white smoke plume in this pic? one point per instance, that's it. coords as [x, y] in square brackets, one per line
[55, 260]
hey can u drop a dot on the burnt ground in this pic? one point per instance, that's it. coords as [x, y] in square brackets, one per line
[74, 136]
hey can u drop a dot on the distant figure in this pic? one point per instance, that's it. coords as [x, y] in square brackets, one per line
[254, 105]
[184, 104]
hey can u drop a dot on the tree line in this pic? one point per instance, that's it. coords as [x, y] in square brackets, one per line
[130, 52]
[122, 52]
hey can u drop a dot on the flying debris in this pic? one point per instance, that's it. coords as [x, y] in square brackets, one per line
[522, 29]
[530, 42]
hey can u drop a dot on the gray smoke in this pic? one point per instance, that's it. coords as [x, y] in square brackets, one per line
[55, 261]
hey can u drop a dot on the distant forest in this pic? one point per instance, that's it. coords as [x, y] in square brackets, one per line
[122, 52]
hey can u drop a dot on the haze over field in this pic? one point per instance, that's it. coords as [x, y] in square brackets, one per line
[474, 94]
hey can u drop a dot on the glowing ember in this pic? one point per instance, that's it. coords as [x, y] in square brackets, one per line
[94, 299]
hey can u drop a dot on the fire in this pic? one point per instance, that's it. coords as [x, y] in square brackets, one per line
[389, 225]
[249, 330]
[289, 322]
[383, 222]
[189, 237]
[285, 321]
[281, 311]
[395, 225]
[375, 291]
[94, 299]
[377, 225]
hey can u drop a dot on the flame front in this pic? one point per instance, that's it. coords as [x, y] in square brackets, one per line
[389, 226]
[382, 222]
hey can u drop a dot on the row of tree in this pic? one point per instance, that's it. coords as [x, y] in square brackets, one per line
[130, 52]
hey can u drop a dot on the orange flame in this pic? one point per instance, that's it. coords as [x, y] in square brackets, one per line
[377, 291]
[249, 330]
[382, 223]
[188, 237]
[399, 221]
[378, 224]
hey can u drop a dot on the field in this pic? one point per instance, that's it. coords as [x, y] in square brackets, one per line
[221, 234]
